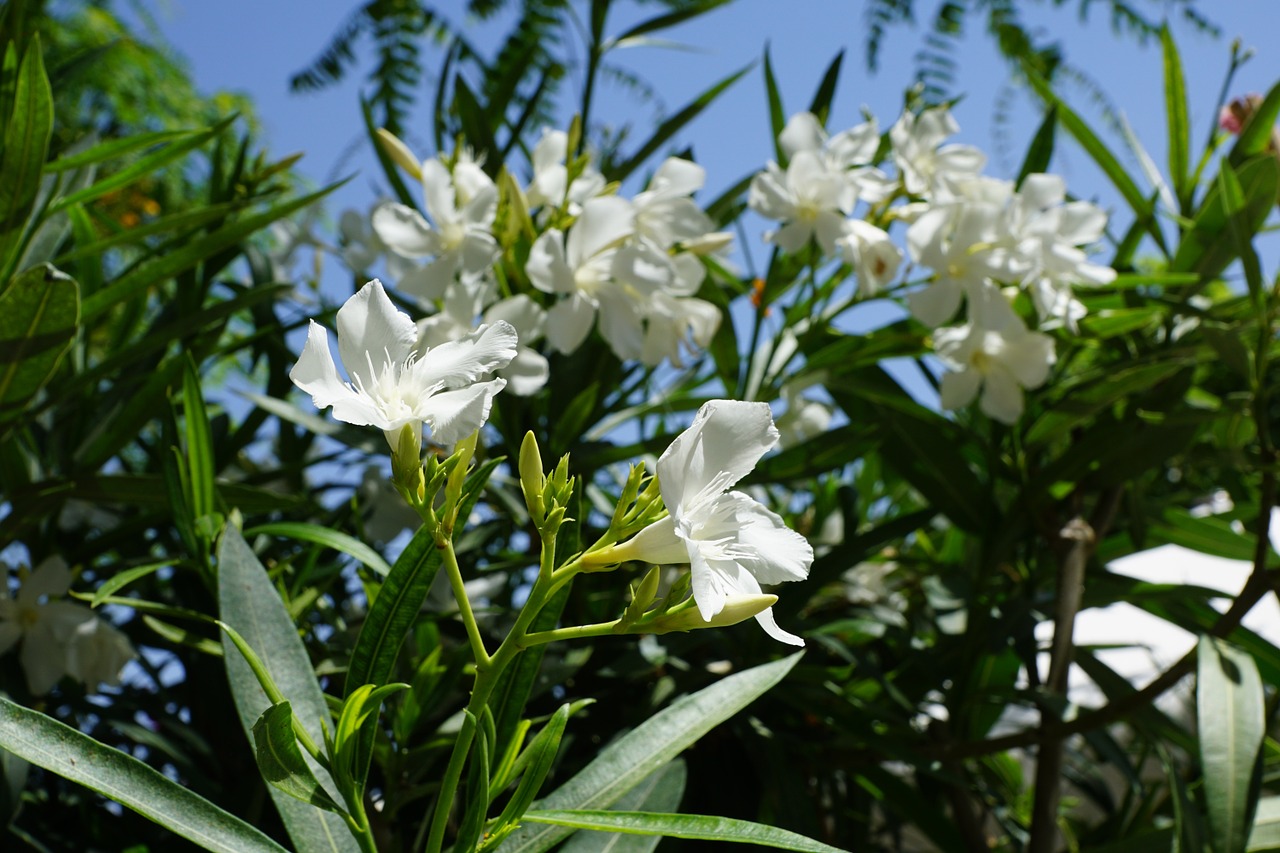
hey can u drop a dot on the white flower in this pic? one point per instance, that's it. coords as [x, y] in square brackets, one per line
[871, 252]
[463, 303]
[994, 353]
[731, 542]
[1049, 230]
[810, 198]
[673, 323]
[463, 206]
[550, 176]
[804, 418]
[391, 384]
[965, 242]
[848, 154]
[929, 168]
[665, 213]
[58, 637]
[585, 267]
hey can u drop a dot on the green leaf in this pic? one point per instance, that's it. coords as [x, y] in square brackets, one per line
[280, 759]
[661, 791]
[114, 148]
[118, 776]
[820, 106]
[393, 611]
[1040, 153]
[1112, 322]
[777, 116]
[1230, 719]
[39, 313]
[136, 281]
[673, 125]
[1208, 535]
[624, 763]
[1208, 248]
[26, 145]
[249, 603]
[119, 580]
[696, 827]
[667, 20]
[541, 756]
[1265, 834]
[1256, 135]
[335, 539]
[1175, 101]
[143, 166]
[199, 445]
[1095, 148]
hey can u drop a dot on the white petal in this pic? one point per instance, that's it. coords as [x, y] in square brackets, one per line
[621, 321]
[936, 303]
[478, 252]
[569, 322]
[657, 544]
[371, 331]
[316, 373]
[478, 192]
[959, 388]
[547, 267]
[781, 554]
[453, 415]
[1001, 397]
[525, 316]
[460, 362]
[643, 267]
[437, 188]
[51, 578]
[404, 230]
[527, 373]
[726, 437]
[677, 176]
[803, 132]
[770, 196]
[745, 584]
[431, 280]
[604, 222]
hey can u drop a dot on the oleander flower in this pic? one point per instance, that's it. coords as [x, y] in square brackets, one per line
[928, 167]
[391, 385]
[462, 205]
[994, 353]
[731, 542]
[59, 637]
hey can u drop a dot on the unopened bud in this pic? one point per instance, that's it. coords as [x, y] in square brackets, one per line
[399, 152]
[406, 461]
[463, 452]
[532, 480]
[687, 618]
[642, 595]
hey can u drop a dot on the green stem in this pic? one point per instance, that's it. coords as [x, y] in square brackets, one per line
[577, 632]
[464, 604]
[487, 677]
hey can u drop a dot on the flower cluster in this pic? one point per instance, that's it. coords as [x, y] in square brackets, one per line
[58, 637]
[978, 237]
[571, 255]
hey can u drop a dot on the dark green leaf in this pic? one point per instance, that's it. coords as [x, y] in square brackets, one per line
[281, 761]
[1229, 715]
[39, 313]
[660, 792]
[118, 776]
[1040, 153]
[696, 827]
[1178, 125]
[335, 539]
[250, 604]
[26, 145]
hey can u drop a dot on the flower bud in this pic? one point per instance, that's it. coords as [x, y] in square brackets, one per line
[642, 595]
[399, 152]
[406, 461]
[463, 452]
[532, 480]
[687, 618]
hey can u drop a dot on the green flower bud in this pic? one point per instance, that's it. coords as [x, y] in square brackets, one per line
[737, 608]
[532, 481]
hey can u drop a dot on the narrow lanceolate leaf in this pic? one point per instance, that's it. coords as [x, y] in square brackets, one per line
[39, 313]
[73, 755]
[692, 826]
[542, 754]
[26, 144]
[334, 539]
[1265, 834]
[660, 792]
[1040, 152]
[1229, 715]
[280, 758]
[393, 611]
[249, 603]
[1179, 130]
[623, 764]
[1256, 134]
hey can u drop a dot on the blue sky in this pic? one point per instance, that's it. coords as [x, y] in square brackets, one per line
[253, 47]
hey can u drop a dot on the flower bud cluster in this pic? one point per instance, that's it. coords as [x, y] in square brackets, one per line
[546, 497]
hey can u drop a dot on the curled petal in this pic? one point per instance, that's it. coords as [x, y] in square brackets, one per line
[776, 552]
[372, 332]
[462, 361]
[452, 415]
[403, 230]
[316, 373]
[724, 442]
